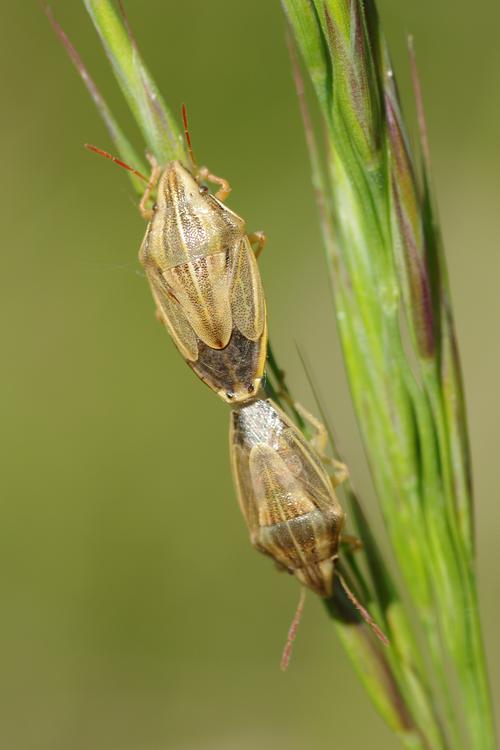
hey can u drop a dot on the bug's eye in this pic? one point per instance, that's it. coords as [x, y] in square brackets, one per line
[229, 394]
[155, 206]
[251, 388]
[203, 189]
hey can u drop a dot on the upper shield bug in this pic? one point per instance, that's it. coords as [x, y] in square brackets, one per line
[204, 276]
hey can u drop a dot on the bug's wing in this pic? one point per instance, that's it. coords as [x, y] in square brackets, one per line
[201, 287]
[280, 495]
[244, 487]
[292, 530]
[268, 496]
[247, 296]
[239, 455]
[307, 466]
[174, 318]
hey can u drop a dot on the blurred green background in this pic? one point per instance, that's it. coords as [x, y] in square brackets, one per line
[136, 615]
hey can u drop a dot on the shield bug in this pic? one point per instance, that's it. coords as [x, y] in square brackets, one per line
[288, 500]
[203, 273]
[285, 494]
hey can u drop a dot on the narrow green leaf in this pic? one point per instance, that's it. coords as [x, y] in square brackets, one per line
[387, 265]
[123, 145]
[157, 125]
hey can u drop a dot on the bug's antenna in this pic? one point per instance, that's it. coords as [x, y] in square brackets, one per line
[120, 163]
[292, 633]
[187, 136]
[362, 611]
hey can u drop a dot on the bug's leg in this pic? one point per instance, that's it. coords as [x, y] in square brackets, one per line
[351, 541]
[319, 443]
[320, 440]
[341, 472]
[258, 239]
[224, 189]
[147, 213]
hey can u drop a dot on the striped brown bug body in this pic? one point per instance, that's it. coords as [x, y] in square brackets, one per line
[285, 493]
[206, 284]
[203, 274]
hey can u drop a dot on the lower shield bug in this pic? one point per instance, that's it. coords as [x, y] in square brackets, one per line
[286, 494]
[288, 499]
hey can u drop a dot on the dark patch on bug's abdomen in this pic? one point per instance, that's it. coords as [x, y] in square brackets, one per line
[235, 365]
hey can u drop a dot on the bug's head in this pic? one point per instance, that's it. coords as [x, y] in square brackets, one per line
[320, 573]
[192, 217]
[318, 576]
[177, 186]
[240, 392]
[298, 535]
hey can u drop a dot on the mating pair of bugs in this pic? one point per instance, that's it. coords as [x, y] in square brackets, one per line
[203, 273]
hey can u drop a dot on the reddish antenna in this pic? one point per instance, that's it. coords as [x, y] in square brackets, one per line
[188, 137]
[116, 161]
[362, 611]
[292, 633]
